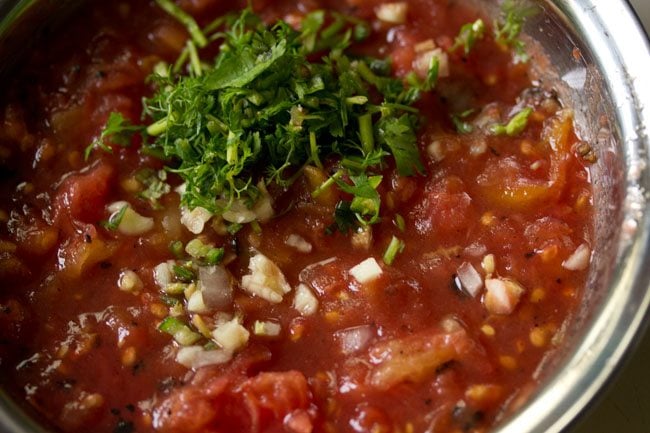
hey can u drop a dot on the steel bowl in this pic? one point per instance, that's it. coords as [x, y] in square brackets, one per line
[599, 56]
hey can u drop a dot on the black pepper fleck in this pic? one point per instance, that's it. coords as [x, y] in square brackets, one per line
[124, 426]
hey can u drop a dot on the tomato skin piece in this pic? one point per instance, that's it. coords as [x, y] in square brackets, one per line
[445, 210]
[517, 193]
[415, 358]
[81, 197]
[229, 403]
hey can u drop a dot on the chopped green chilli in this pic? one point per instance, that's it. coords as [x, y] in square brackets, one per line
[182, 333]
[515, 126]
[395, 247]
[469, 34]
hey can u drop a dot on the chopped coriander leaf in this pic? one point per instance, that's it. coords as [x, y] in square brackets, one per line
[192, 27]
[395, 247]
[515, 126]
[366, 202]
[426, 85]
[115, 219]
[328, 183]
[509, 25]
[118, 130]
[344, 218]
[398, 134]
[462, 126]
[469, 34]
[155, 184]
[263, 110]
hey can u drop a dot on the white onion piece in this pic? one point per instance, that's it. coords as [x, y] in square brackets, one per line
[265, 280]
[393, 13]
[195, 357]
[355, 339]
[437, 150]
[502, 295]
[239, 213]
[470, 279]
[216, 285]
[131, 222]
[579, 260]
[305, 301]
[180, 189]
[475, 250]
[231, 336]
[299, 243]
[196, 304]
[195, 219]
[366, 271]
[263, 207]
[266, 328]
[134, 224]
[162, 275]
[117, 206]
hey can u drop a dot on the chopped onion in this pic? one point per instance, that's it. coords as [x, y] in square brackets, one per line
[195, 219]
[299, 243]
[265, 280]
[162, 274]
[117, 206]
[195, 303]
[180, 189]
[424, 46]
[366, 271]
[134, 224]
[239, 213]
[475, 250]
[393, 13]
[470, 279]
[195, 357]
[263, 207]
[502, 295]
[579, 260]
[216, 285]
[436, 150]
[231, 336]
[131, 223]
[305, 301]
[478, 147]
[352, 340]
[266, 329]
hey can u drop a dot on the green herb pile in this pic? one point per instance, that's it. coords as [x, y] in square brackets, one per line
[275, 100]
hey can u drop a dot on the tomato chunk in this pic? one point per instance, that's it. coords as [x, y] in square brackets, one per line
[236, 404]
